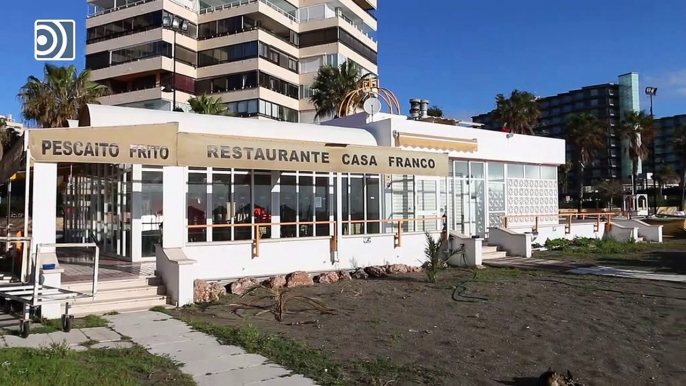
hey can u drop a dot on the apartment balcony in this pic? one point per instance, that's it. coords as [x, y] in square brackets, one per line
[239, 7]
[327, 15]
[132, 96]
[248, 65]
[106, 11]
[367, 5]
[143, 65]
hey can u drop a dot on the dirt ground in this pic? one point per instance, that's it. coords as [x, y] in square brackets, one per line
[607, 331]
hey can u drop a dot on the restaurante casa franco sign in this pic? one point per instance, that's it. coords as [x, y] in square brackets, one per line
[162, 144]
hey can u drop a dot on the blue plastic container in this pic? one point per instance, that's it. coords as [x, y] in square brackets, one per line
[48, 266]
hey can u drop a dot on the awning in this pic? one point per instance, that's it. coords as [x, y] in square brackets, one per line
[423, 141]
[163, 145]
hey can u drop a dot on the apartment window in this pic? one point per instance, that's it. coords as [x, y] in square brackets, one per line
[275, 84]
[594, 92]
[144, 83]
[182, 82]
[579, 105]
[227, 54]
[98, 60]
[567, 99]
[277, 57]
[124, 27]
[594, 102]
[610, 92]
[319, 37]
[233, 82]
[357, 46]
[306, 92]
[142, 51]
[223, 27]
[187, 56]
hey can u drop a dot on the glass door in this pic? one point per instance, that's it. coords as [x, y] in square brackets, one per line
[477, 213]
[460, 197]
[426, 206]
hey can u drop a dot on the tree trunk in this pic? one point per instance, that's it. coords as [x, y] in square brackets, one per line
[681, 186]
[581, 188]
[634, 167]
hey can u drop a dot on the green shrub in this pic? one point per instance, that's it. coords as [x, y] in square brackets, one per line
[554, 244]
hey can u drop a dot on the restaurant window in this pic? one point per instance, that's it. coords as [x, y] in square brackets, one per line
[361, 203]
[515, 171]
[548, 172]
[262, 209]
[222, 208]
[289, 204]
[151, 212]
[532, 171]
[197, 206]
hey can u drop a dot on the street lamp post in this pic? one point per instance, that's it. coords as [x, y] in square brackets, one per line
[652, 91]
[175, 24]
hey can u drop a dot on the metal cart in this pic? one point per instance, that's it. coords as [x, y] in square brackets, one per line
[35, 294]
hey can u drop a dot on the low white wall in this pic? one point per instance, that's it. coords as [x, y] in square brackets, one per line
[177, 273]
[473, 250]
[648, 232]
[515, 243]
[623, 233]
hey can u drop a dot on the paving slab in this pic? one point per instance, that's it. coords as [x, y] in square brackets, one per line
[214, 365]
[101, 334]
[71, 337]
[250, 375]
[33, 341]
[293, 380]
[190, 354]
[122, 344]
[78, 347]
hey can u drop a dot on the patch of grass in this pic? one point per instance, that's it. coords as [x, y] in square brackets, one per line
[57, 365]
[52, 325]
[606, 246]
[314, 363]
[112, 313]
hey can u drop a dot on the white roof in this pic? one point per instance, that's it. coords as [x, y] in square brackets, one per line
[102, 115]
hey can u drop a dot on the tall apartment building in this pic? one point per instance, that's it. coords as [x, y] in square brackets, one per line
[665, 153]
[259, 56]
[606, 101]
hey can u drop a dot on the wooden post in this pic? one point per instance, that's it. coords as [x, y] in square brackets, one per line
[256, 242]
[569, 225]
[398, 235]
[536, 226]
[334, 239]
[506, 221]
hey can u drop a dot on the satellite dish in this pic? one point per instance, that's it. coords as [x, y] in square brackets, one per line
[372, 106]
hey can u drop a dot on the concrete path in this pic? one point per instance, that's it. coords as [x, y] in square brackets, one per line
[209, 362]
[581, 268]
[83, 339]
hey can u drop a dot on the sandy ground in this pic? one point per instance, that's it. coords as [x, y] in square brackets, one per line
[607, 331]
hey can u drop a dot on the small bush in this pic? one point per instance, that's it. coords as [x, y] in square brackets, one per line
[585, 245]
[554, 244]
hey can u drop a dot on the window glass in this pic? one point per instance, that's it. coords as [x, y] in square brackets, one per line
[243, 212]
[373, 204]
[306, 204]
[532, 171]
[197, 206]
[289, 205]
[549, 172]
[477, 169]
[461, 169]
[357, 203]
[515, 171]
[221, 206]
[263, 203]
[496, 171]
[151, 212]
[321, 204]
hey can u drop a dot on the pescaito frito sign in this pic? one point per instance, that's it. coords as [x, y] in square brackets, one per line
[162, 144]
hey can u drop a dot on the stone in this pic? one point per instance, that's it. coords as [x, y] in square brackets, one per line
[396, 269]
[344, 275]
[416, 269]
[204, 292]
[375, 271]
[275, 282]
[242, 286]
[110, 345]
[101, 334]
[360, 274]
[328, 278]
[299, 278]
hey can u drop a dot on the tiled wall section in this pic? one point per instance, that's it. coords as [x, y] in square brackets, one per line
[531, 197]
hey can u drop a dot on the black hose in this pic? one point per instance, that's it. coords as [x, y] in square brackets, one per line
[461, 288]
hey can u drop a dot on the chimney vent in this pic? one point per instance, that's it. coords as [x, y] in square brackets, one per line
[424, 108]
[415, 108]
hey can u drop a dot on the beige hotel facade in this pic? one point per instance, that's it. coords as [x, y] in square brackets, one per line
[259, 56]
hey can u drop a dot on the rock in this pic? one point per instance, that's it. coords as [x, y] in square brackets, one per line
[205, 293]
[299, 278]
[397, 269]
[360, 274]
[242, 286]
[328, 277]
[414, 269]
[275, 282]
[375, 271]
[344, 275]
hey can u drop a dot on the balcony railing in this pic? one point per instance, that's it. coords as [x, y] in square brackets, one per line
[102, 11]
[240, 3]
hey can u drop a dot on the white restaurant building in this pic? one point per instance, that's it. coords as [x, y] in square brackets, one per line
[198, 215]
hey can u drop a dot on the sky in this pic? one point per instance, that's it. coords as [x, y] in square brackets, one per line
[459, 53]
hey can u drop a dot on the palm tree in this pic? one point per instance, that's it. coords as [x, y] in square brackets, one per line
[8, 137]
[679, 145]
[609, 189]
[435, 111]
[564, 173]
[208, 105]
[59, 96]
[586, 133]
[636, 129]
[519, 113]
[331, 85]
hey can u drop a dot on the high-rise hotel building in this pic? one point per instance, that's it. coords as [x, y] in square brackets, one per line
[259, 56]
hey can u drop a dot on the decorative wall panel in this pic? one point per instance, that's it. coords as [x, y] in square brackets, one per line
[532, 197]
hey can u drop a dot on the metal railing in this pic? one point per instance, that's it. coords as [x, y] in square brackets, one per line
[240, 3]
[102, 11]
[606, 217]
[256, 236]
